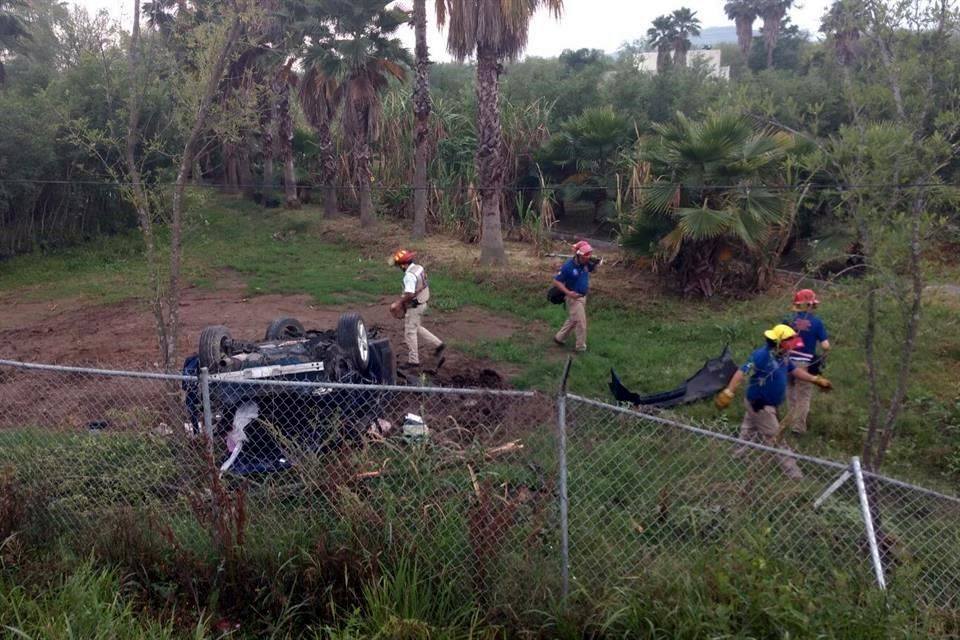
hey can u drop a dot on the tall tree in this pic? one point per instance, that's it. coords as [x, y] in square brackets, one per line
[661, 35]
[421, 111]
[320, 100]
[772, 12]
[493, 31]
[743, 13]
[360, 56]
[283, 81]
[13, 32]
[685, 24]
[842, 24]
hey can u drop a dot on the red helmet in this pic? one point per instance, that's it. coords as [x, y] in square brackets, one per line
[582, 248]
[805, 297]
[403, 257]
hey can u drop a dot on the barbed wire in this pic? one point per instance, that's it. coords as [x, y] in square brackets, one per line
[836, 187]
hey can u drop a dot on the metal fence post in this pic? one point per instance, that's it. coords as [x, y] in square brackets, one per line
[207, 412]
[868, 523]
[564, 499]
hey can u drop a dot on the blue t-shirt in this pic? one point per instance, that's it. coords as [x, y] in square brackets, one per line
[575, 277]
[810, 328]
[768, 377]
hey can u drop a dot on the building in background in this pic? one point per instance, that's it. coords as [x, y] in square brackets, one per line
[708, 58]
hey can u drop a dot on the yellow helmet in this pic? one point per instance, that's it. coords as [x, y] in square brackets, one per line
[783, 335]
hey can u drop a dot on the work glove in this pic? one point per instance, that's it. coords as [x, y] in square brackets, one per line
[398, 310]
[823, 383]
[723, 399]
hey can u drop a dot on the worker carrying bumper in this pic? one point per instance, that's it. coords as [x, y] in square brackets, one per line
[411, 306]
[769, 368]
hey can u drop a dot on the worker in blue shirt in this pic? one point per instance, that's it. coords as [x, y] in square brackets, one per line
[810, 328]
[769, 368]
[574, 281]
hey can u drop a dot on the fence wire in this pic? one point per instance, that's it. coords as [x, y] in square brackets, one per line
[470, 482]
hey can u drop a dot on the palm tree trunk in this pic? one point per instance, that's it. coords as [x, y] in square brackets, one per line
[771, 32]
[744, 34]
[244, 172]
[663, 59]
[230, 167]
[364, 177]
[489, 161]
[421, 109]
[266, 138]
[328, 169]
[285, 138]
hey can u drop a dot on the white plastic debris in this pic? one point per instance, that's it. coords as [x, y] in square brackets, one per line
[247, 413]
[414, 427]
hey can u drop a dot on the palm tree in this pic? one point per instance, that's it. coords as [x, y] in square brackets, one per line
[709, 197]
[772, 12]
[582, 155]
[360, 57]
[320, 100]
[159, 16]
[661, 35]
[13, 32]
[493, 31]
[421, 111]
[685, 24]
[743, 13]
[842, 24]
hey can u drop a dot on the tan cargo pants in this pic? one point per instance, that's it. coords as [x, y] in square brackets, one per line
[763, 427]
[413, 332]
[799, 396]
[576, 321]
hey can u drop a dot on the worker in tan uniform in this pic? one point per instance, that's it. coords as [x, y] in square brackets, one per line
[769, 368]
[573, 280]
[411, 306]
[811, 329]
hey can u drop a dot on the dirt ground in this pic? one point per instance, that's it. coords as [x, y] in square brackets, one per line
[121, 336]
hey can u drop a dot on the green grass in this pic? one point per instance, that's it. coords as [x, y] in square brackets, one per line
[86, 602]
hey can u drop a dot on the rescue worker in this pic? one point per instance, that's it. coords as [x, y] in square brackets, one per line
[814, 334]
[769, 368]
[574, 281]
[411, 306]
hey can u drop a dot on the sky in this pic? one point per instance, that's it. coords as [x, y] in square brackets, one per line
[594, 24]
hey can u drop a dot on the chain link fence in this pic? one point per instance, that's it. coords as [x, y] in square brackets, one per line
[520, 496]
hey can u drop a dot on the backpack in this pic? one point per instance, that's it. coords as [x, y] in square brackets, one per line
[555, 295]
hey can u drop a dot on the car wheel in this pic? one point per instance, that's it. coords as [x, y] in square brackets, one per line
[285, 329]
[213, 341]
[352, 339]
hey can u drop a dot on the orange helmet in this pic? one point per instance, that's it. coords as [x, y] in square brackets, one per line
[805, 297]
[402, 257]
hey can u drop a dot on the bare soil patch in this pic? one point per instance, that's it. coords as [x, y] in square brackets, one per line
[123, 335]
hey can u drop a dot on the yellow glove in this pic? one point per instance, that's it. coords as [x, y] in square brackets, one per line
[723, 399]
[823, 383]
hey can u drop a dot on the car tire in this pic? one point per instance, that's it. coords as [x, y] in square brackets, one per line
[213, 346]
[285, 329]
[353, 340]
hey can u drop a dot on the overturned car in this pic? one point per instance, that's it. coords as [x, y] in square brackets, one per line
[260, 416]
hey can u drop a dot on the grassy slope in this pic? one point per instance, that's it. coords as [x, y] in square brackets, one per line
[653, 343]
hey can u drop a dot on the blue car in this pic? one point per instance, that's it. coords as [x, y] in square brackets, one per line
[259, 426]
